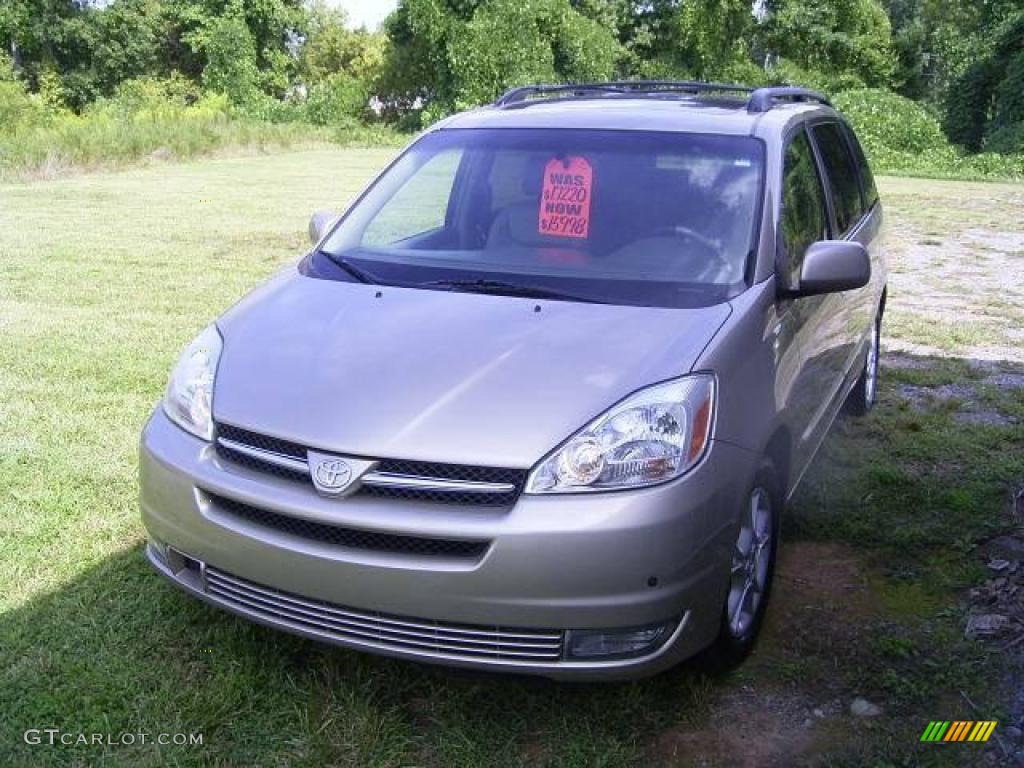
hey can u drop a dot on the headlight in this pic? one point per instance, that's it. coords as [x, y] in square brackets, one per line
[652, 436]
[189, 398]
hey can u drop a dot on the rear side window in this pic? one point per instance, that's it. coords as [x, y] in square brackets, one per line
[866, 177]
[804, 220]
[841, 172]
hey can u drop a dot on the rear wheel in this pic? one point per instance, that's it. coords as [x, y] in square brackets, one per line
[864, 393]
[751, 571]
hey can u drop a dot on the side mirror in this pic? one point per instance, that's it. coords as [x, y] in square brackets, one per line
[833, 266]
[319, 223]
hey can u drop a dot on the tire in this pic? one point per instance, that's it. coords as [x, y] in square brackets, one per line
[864, 394]
[739, 628]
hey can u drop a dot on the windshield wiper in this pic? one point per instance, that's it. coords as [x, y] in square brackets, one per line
[359, 274]
[500, 287]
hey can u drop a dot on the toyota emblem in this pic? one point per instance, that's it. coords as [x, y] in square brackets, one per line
[332, 476]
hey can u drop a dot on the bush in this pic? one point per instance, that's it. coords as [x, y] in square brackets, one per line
[146, 117]
[338, 100]
[18, 110]
[159, 118]
[948, 162]
[267, 109]
[6, 68]
[786, 72]
[902, 138]
[885, 121]
[151, 94]
[1008, 140]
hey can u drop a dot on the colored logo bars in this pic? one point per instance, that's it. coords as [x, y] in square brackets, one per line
[958, 730]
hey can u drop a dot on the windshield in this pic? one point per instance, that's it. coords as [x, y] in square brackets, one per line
[644, 218]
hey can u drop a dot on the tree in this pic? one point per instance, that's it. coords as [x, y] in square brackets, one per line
[331, 47]
[937, 41]
[703, 39]
[230, 53]
[988, 97]
[910, 41]
[708, 37]
[450, 54]
[90, 49]
[93, 46]
[833, 37]
[270, 25]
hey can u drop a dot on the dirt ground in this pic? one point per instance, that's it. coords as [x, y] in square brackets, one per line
[821, 592]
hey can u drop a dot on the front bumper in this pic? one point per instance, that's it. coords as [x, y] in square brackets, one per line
[553, 563]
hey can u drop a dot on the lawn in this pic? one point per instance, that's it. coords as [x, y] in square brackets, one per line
[104, 278]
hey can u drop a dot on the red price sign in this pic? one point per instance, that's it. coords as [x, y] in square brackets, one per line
[565, 199]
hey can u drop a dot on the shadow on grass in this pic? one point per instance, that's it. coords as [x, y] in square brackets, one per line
[912, 489]
[118, 650]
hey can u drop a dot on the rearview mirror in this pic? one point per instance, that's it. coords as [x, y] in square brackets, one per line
[832, 266]
[319, 224]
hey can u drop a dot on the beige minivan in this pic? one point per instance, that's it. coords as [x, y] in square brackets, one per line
[535, 401]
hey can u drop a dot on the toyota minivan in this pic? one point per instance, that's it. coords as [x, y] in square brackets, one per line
[535, 402]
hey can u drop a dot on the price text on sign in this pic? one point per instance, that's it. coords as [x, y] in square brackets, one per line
[565, 199]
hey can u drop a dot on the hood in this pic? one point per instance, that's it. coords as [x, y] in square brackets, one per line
[439, 376]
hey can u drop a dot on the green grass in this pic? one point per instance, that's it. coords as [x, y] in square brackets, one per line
[103, 279]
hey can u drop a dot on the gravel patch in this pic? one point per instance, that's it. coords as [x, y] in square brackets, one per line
[972, 280]
[984, 419]
[899, 362]
[924, 398]
[1006, 380]
[996, 616]
[1000, 241]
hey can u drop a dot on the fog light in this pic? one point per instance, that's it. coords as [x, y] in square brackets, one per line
[618, 643]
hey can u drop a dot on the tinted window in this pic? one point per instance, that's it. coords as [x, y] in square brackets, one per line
[841, 172]
[804, 220]
[866, 177]
[629, 217]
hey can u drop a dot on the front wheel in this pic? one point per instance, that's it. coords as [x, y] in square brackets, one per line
[751, 571]
[865, 392]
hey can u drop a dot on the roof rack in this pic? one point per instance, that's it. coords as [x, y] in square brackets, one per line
[523, 93]
[763, 99]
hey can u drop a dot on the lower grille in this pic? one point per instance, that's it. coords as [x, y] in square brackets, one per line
[370, 627]
[353, 538]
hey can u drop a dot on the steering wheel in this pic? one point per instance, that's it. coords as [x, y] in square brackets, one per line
[710, 246]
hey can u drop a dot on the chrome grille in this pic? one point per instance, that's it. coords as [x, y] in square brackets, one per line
[390, 478]
[266, 449]
[350, 625]
[264, 442]
[353, 538]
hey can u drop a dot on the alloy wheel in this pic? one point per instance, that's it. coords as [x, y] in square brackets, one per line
[871, 369]
[751, 561]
